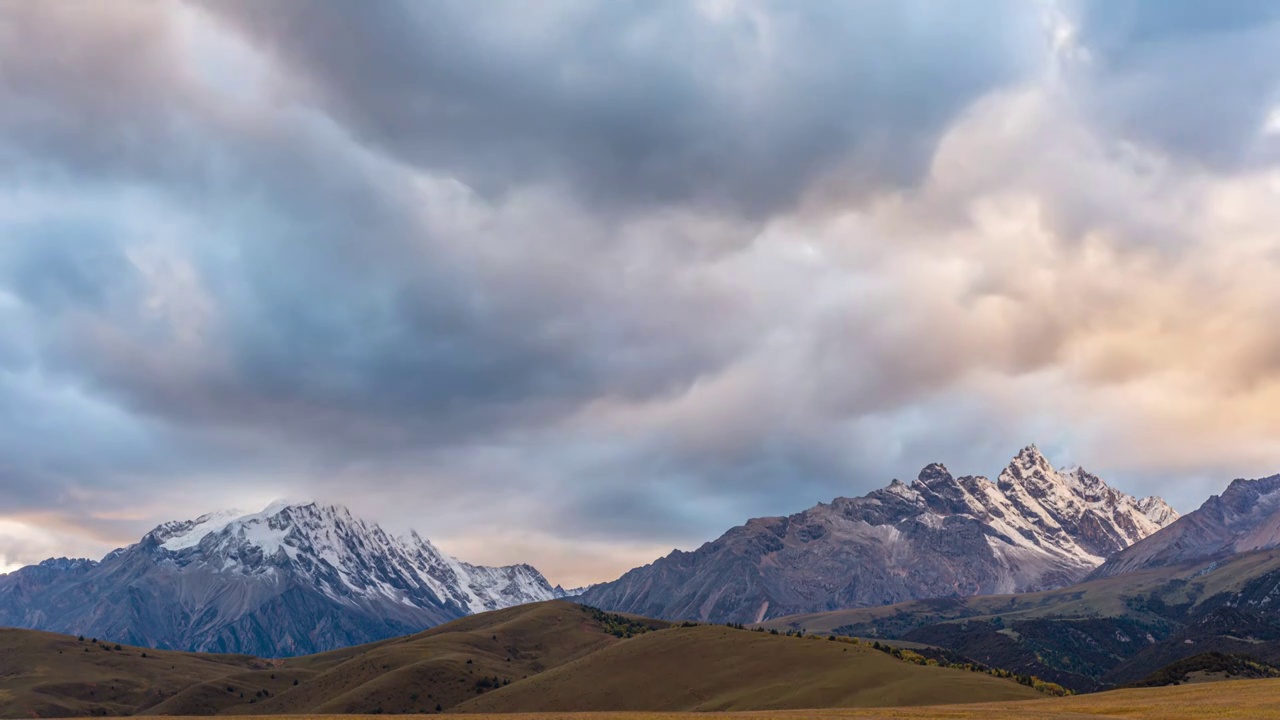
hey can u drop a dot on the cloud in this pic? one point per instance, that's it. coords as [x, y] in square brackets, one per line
[1192, 79]
[732, 104]
[582, 284]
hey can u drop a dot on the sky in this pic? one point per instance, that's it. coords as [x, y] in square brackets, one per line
[575, 283]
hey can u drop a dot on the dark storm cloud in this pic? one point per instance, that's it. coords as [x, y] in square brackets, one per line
[652, 102]
[344, 317]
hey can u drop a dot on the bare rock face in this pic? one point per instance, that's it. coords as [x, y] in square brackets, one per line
[1244, 518]
[290, 580]
[1034, 528]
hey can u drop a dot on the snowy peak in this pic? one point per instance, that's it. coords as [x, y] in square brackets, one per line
[1029, 462]
[1157, 510]
[181, 534]
[346, 558]
[1096, 520]
[1032, 471]
[1068, 518]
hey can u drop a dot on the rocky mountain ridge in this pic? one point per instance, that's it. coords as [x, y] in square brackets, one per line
[1033, 528]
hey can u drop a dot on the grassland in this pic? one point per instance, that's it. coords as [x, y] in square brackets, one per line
[44, 675]
[717, 668]
[574, 660]
[554, 656]
[1232, 700]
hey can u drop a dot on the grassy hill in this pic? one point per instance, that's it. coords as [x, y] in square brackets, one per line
[554, 655]
[446, 665]
[48, 675]
[718, 668]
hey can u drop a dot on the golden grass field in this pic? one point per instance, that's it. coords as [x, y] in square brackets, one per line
[1235, 699]
[546, 657]
[559, 659]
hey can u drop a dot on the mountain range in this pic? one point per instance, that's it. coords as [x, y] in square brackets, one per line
[301, 578]
[289, 580]
[1033, 528]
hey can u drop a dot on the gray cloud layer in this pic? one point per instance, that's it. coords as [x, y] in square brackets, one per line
[579, 284]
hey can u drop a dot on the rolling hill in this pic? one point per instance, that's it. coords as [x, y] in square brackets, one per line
[711, 667]
[543, 656]
[48, 675]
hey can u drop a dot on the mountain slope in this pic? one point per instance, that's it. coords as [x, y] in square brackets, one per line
[1096, 634]
[1032, 529]
[290, 580]
[1244, 518]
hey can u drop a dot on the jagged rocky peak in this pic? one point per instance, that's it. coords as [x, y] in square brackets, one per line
[1245, 495]
[1032, 471]
[1029, 462]
[934, 474]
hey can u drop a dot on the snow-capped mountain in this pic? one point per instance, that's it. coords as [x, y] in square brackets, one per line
[1034, 528]
[291, 579]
